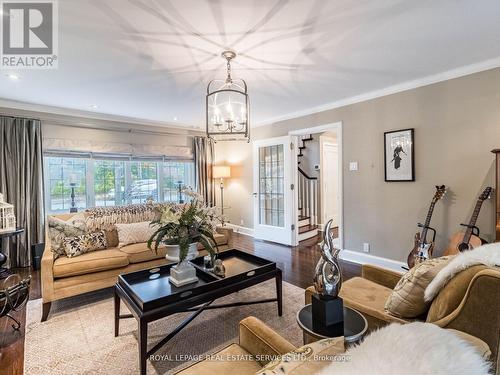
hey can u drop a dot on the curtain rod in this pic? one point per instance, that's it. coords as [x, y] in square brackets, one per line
[116, 129]
[53, 121]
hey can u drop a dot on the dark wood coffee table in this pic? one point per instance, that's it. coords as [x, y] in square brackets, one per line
[150, 296]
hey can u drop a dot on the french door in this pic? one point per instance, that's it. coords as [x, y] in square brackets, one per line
[274, 193]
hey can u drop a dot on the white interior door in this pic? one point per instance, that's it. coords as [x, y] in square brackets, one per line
[273, 193]
[330, 183]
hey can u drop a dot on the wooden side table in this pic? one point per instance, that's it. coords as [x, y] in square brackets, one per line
[4, 272]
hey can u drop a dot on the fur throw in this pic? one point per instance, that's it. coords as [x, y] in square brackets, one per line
[489, 255]
[414, 348]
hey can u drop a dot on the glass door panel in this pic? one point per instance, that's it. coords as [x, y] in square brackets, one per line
[274, 197]
[271, 186]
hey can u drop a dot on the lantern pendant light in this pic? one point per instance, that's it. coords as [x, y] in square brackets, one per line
[227, 107]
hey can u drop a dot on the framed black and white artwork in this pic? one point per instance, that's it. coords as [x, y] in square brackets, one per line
[399, 155]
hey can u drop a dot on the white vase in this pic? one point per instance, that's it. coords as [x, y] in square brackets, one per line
[173, 252]
[183, 273]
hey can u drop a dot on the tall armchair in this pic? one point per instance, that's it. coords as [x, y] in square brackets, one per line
[469, 303]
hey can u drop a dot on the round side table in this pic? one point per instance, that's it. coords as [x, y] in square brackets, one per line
[355, 325]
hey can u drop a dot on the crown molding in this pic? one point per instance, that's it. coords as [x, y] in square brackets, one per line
[51, 112]
[405, 86]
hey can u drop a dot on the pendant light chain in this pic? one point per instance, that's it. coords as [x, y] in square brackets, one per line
[229, 79]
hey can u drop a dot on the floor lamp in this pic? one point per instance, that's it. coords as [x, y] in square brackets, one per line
[221, 172]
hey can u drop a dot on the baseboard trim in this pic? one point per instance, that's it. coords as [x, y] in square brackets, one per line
[240, 229]
[347, 255]
[363, 258]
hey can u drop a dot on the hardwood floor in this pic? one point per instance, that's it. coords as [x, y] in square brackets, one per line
[297, 264]
[11, 341]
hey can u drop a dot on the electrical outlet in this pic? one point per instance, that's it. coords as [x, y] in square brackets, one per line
[366, 247]
[353, 166]
[242, 222]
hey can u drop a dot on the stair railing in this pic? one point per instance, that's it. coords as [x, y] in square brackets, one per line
[308, 196]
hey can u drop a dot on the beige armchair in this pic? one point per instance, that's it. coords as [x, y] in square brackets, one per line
[259, 344]
[469, 303]
[257, 341]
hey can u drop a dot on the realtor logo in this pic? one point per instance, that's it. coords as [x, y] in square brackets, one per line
[29, 34]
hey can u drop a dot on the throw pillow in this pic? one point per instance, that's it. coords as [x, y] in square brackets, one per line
[112, 237]
[407, 298]
[60, 229]
[307, 359]
[75, 246]
[134, 233]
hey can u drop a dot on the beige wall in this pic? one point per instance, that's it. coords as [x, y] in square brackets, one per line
[457, 124]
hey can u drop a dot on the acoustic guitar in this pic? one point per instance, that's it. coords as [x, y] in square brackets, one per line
[468, 240]
[423, 248]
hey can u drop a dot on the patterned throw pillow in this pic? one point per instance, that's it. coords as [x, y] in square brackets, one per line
[407, 298]
[307, 359]
[61, 229]
[86, 243]
[134, 233]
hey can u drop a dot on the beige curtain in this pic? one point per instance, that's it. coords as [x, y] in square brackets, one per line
[203, 150]
[21, 182]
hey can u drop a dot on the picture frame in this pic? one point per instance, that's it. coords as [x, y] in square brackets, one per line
[399, 155]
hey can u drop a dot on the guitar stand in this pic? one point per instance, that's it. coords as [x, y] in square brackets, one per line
[475, 229]
[420, 225]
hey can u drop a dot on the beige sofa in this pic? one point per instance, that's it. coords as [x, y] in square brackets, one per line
[66, 277]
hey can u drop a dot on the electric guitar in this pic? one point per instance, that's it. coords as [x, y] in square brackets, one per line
[468, 240]
[423, 248]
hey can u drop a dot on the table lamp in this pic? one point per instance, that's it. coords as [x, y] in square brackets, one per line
[221, 172]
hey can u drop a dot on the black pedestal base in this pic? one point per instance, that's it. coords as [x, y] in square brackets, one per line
[328, 315]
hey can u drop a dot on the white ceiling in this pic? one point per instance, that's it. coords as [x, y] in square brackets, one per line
[152, 59]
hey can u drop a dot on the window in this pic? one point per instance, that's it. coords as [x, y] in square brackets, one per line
[144, 181]
[176, 174]
[109, 182]
[63, 175]
[113, 182]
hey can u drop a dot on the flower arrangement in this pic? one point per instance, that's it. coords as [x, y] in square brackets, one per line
[183, 224]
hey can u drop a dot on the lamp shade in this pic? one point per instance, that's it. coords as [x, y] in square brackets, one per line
[221, 171]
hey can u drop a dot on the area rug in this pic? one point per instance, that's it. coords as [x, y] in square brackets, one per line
[78, 337]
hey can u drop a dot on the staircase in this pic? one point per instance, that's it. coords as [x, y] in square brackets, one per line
[308, 197]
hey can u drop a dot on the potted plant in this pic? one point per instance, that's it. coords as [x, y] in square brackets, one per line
[180, 228]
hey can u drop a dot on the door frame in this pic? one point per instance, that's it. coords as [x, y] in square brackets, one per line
[290, 147]
[334, 127]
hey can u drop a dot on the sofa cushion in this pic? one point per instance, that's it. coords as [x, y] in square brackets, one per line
[219, 238]
[367, 297]
[94, 261]
[407, 298]
[139, 252]
[76, 246]
[233, 359]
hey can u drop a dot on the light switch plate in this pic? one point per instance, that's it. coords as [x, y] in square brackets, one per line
[353, 166]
